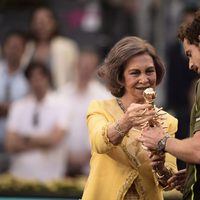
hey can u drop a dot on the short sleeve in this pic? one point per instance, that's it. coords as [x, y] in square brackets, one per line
[197, 109]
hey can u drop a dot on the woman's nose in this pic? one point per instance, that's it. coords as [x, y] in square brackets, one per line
[144, 79]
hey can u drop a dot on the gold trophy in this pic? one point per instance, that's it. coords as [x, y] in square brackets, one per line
[149, 95]
[132, 147]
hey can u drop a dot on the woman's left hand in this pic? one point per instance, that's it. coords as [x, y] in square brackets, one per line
[157, 161]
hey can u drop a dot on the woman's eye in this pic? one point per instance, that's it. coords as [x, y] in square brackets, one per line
[150, 71]
[135, 73]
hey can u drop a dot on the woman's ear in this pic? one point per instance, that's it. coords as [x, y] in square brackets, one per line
[120, 80]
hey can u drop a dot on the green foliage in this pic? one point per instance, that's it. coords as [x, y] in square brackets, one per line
[68, 187]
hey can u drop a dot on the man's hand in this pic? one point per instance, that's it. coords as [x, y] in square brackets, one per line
[151, 136]
[178, 180]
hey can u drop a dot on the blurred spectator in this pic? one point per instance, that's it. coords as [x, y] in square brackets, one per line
[101, 23]
[77, 96]
[46, 45]
[118, 20]
[13, 84]
[36, 129]
[179, 81]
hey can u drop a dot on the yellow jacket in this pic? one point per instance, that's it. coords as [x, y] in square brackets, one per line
[113, 169]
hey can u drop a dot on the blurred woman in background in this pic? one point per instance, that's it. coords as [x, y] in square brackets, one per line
[48, 46]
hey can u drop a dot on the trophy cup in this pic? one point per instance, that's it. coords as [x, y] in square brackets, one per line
[135, 149]
[149, 95]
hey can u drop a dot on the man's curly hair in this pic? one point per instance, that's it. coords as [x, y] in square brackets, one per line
[191, 31]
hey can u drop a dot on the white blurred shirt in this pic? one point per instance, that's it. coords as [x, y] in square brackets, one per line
[38, 164]
[76, 108]
[18, 87]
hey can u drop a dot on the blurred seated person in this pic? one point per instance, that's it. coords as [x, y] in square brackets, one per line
[77, 95]
[47, 45]
[13, 84]
[36, 129]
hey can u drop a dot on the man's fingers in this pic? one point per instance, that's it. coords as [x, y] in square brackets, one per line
[181, 172]
[172, 179]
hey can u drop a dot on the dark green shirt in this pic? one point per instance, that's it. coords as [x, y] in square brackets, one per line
[192, 186]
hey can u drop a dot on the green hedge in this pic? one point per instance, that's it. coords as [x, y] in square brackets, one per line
[68, 187]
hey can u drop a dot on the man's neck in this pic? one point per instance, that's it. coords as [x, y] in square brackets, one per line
[13, 68]
[82, 84]
[40, 96]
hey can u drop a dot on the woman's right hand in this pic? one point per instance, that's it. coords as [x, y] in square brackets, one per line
[139, 114]
[135, 116]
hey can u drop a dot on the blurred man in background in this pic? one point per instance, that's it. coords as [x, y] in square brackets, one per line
[36, 130]
[13, 84]
[77, 96]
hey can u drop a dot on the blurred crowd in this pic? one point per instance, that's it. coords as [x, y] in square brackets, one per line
[47, 78]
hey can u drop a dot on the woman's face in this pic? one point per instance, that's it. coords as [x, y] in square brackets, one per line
[139, 74]
[43, 24]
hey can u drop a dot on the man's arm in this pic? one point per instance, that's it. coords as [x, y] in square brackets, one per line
[17, 143]
[52, 139]
[187, 150]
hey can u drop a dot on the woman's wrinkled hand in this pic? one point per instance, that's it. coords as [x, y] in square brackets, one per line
[139, 114]
[157, 161]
